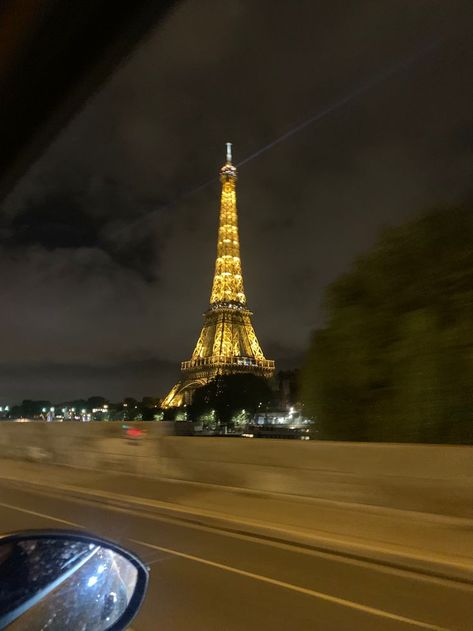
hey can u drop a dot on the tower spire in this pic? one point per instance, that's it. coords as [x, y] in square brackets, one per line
[227, 285]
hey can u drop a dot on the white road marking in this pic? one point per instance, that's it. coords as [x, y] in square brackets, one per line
[292, 547]
[265, 579]
[32, 512]
[295, 588]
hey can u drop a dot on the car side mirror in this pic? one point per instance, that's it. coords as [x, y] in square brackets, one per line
[59, 579]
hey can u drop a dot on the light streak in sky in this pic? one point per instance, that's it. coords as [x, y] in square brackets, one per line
[391, 71]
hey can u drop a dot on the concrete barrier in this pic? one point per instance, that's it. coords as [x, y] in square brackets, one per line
[428, 478]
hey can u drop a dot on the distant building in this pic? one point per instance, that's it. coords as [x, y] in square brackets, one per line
[279, 424]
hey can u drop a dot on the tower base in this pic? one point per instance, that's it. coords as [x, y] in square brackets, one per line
[198, 372]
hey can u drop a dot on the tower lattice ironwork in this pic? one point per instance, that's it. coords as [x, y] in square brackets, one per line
[227, 343]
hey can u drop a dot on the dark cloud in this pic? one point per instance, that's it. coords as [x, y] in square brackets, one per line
[107, 254]
[66, 382]
[53, 222]
[69, 220]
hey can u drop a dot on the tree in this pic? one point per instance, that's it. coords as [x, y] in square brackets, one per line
[30, 408]
[288, 387]
[149, 408]
[131, 408]
[227, 394]
[150, 402]
[395, 359]
[169, 414]
[96, 402]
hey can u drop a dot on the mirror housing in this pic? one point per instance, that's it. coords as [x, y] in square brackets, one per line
[68, 579]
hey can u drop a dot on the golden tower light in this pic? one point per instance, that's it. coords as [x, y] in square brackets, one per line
[227, 343]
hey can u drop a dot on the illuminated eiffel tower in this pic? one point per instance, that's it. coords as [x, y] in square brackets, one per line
[227, 343]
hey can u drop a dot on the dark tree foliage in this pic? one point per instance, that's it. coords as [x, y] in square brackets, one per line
[288, 387]
[96, 402]
[395, 360]
[227, 394]
[169, 414]
[149, 408]
[130, 402]
[147, 413]
[31, 408]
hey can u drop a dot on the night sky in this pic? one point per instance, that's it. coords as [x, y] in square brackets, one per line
[107, 250]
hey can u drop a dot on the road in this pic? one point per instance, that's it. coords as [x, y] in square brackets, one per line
[205, 579]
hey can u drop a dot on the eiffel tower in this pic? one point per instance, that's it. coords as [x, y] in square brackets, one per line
[227, 343]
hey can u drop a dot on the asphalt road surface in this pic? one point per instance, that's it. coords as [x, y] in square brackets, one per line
[206, 579]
